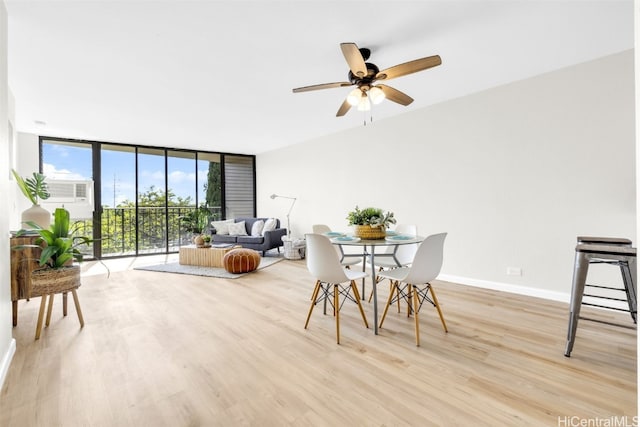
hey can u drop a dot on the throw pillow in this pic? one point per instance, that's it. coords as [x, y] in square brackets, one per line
[256, 229]
[237, 229]
[222, 227]
[269, 225]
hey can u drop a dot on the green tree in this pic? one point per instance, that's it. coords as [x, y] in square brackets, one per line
[213, 186]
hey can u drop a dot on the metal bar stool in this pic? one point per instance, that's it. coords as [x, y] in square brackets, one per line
[594, 250]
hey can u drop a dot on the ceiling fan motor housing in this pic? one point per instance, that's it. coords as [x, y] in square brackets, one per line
[372, 71]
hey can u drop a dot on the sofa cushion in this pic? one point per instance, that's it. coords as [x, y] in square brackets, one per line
[237, 229]
[224, 238]
[254, 240]
[222, 227]
[269, 225]
[256, 228]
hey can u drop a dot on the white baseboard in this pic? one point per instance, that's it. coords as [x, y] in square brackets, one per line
[507, 287]
[6, 361]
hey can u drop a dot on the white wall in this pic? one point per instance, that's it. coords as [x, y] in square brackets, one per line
[27, 162]
[7, 343]
[513, 174]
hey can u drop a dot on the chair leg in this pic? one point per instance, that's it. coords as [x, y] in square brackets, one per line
[336, 302]
[378, 280]
[64, 303]
[314, 295]
[49, 310]
[437, 304]
[43, 303]
[394, 286]
[416, 306]
[76, 301]
[357, 298]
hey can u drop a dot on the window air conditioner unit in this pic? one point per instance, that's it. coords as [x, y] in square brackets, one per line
[74, 195]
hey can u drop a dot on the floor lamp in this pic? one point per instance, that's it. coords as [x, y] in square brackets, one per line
[273, 196]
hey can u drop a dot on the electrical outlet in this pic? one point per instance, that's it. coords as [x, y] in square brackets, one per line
[514, 271]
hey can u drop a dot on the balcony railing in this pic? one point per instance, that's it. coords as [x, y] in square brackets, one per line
[153, 230]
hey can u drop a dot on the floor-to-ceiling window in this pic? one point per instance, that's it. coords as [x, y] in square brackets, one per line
[146, 197]
[118, 200]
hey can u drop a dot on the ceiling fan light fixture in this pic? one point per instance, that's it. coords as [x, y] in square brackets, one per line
[364, 104]
[354, 97]
[377, 95]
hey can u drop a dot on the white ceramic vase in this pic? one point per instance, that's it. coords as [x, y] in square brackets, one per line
[37, 214]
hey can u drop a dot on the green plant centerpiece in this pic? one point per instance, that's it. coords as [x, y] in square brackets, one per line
[370, 223]
[34, 189]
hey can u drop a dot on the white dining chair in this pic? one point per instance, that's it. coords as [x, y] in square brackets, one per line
[324, 265]
[346, 261]
[404, 253]
[413, 283]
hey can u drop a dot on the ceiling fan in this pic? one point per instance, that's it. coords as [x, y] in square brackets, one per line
[363, 75]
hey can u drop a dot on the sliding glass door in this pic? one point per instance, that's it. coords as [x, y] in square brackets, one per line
[145, 197]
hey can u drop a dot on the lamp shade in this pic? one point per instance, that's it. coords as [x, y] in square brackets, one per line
[364, 104]
[376, 95]
[354, 97]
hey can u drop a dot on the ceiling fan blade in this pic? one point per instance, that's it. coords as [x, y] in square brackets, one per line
[395, 95]
[321, 86]
[354, 59]
[409, 67]
[344, 108]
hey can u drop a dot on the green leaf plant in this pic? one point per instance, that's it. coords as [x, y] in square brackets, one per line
[59, 246]
[34, 188]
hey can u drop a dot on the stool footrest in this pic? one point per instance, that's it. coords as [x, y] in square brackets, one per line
[605, 287]
[607, 298]
[608, 323]
[626, 310]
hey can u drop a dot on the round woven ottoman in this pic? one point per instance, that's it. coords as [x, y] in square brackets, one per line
[241, 260]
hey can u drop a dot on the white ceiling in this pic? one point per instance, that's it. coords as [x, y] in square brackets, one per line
[217, 75]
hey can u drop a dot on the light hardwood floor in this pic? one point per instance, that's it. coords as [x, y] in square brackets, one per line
[161, 349]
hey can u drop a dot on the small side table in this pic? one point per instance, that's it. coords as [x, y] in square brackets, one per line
[294, 248]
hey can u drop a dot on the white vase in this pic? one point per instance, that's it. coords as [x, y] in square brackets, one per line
[37, 214]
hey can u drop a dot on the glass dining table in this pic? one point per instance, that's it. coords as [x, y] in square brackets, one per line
[369, 251]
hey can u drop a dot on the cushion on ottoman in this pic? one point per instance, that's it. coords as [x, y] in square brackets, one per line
[241, 260]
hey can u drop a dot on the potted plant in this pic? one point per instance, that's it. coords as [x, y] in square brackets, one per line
[34, 189]
[370, 223]
[58, 273]
[59, 250]
[196, 221]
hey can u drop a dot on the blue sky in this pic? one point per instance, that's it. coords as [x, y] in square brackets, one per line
[118, 171]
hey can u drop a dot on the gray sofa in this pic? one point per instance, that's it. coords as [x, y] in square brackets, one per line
[269, 240]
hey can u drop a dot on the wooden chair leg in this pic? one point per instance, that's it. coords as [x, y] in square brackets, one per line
[64, 303]
[437, 304]
[43, 302]
[394, 286]
[336, 302]
[416, 306]
[354, 287]
[314, 295]
[77, 303]
[49, 310]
